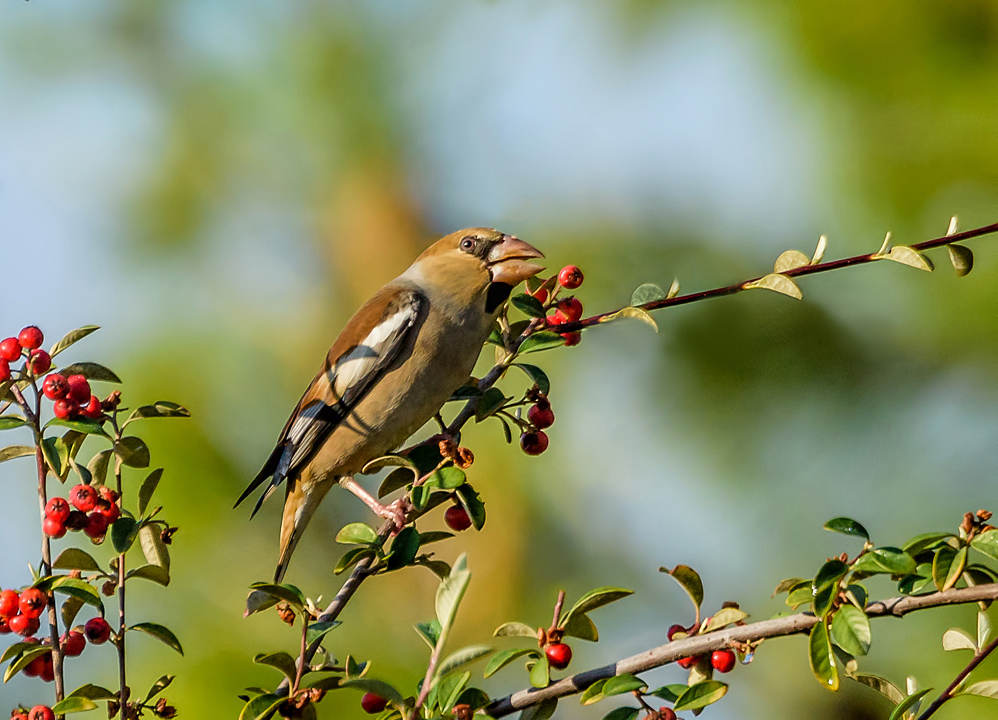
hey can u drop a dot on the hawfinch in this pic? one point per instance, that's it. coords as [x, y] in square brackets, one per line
[394, 365]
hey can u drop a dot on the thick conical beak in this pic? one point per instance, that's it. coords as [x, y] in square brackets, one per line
[508, 261]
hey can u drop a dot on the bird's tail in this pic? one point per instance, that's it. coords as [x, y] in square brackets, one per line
[302, 500]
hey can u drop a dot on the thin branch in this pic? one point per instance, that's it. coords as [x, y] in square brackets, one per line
[559, 604]
[700, 644]
[947, 694]
[123, 693]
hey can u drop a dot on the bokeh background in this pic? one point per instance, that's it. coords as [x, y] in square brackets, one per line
[219, 184]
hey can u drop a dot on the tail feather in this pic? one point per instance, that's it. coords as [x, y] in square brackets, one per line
[303, 497]
[266, 473]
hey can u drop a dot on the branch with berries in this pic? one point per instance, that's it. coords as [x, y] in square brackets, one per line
[29, 379]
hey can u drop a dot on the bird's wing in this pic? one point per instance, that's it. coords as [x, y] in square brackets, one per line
[366, 347]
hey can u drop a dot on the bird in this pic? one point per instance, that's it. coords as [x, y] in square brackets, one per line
[394, 365]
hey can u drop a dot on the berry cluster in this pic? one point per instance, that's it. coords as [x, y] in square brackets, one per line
[568, 309]
[38, 712]
[95, 511]
[28, 341]
[19, 612]
[540, 416]
[72, 397]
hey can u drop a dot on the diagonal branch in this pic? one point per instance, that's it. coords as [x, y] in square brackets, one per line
[778, 627]
[948, 693]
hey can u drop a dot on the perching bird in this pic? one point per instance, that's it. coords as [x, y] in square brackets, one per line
[394, 365]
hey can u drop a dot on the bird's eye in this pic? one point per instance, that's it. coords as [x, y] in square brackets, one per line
[468, 244]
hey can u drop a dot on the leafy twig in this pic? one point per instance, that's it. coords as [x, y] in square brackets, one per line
[947, 694]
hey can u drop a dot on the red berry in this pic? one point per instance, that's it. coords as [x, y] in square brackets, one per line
[97, 631]
[23, 625]
[66, 409]
[96, 526]
[4, 627]
[73, 643]
[57, 509]
[372, 703]
[665, 713]
[572, 339]
[4, 371]
[571, 308]
[107, 493]
[686, 663]
[40, 362]
[76, 521]
[570, 277]
[36, 666]
[48, 668]
[93, 409]
[55, 387]
[457, 518]
[541, 416]
[723, 660]
[541, 294]
[31, 338]
[79, 388]
[534, 443]
[10, 350]
[83, 497]
[41, 712]
[677, 629]
[109, 510]
[18, 715]
[557, 318]
[559, 655]
[53, 528]
[8, 603]
[32, 602]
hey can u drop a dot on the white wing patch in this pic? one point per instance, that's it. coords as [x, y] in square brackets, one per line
[353, 370]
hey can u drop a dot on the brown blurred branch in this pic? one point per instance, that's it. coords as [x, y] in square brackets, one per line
[698, 645]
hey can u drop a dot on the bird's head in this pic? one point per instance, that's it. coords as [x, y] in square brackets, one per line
[477, 262]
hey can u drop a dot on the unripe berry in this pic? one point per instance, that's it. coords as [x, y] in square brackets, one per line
[73, 643]
[559, 655]
[93, 409]
[677, 628]
[722, 660]
[41, 712]
[79, 389]
[32, 602]
[40, 362]
[534, 443]
[31, 338]
[4, 371]
[66, 409]
[23, 625]
[10, 349]
[570, 277]
[457, 518]
[53, 528]
[8, 603]
[571, 308]
[372, 703]
[541, 416]
[97, 631]
[83, 497]
[57, 509]
[96, 526]
[55, 387]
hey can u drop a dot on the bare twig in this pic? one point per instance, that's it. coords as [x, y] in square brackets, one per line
[123, 693]
[700, 644]
[558, 605]
[948, 693]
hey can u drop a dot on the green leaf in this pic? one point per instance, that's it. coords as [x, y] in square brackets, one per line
[159, 409]
[123, 533]
[448, 689]
[472, 502]
[580, 626]
[430, 632]
[460, 659]
[57, 455]
[528, 305]
[982, 688]
[620, 684]
[541, 711]
[281, 661]
[432, 536]
[86, 427]
[501, 659]
[722, 618]
[885, 560]
[132, 451]
[885, 687]
[357, 533]
[91, 371]
[9, 422]
[908, 703]
[382, 689]
[823, 663]
[15, 451]
[74, 704]
[473, 697]
[98, 466]
[404, 548]
[74, 587]
[908, 256]
[542, 340]
[851, 630]
[161, 633]
[71, 606]
[594, 599]
[159, 686]
[958, 639]
[689, 580]
[23, 659]
[352, 557]
[261, 707]
[451, 591]
[987, 543]
[93, 692]
[396, 480]
[515, 629]
[633, 313]
[317, 631]
[700, 695]
[646, 293]
[983, 628]
[154, 549]
[149, 486]
[75, 559]
[777, 283]
[283, 593]
[154, 573]
[669, 693]
[622, 713]
[489, 403]
[847, 526]
[15, 650]
[448, 478]
[593, 694]
[826, 585]
[790, 260]
[540, 673]
[948, 565]
[71, 338]
[538, 376]
[962, 258]
[925, 541]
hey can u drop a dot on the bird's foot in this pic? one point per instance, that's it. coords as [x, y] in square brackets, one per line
[394, 514]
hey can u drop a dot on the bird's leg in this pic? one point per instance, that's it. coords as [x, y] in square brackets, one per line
[394, 512]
